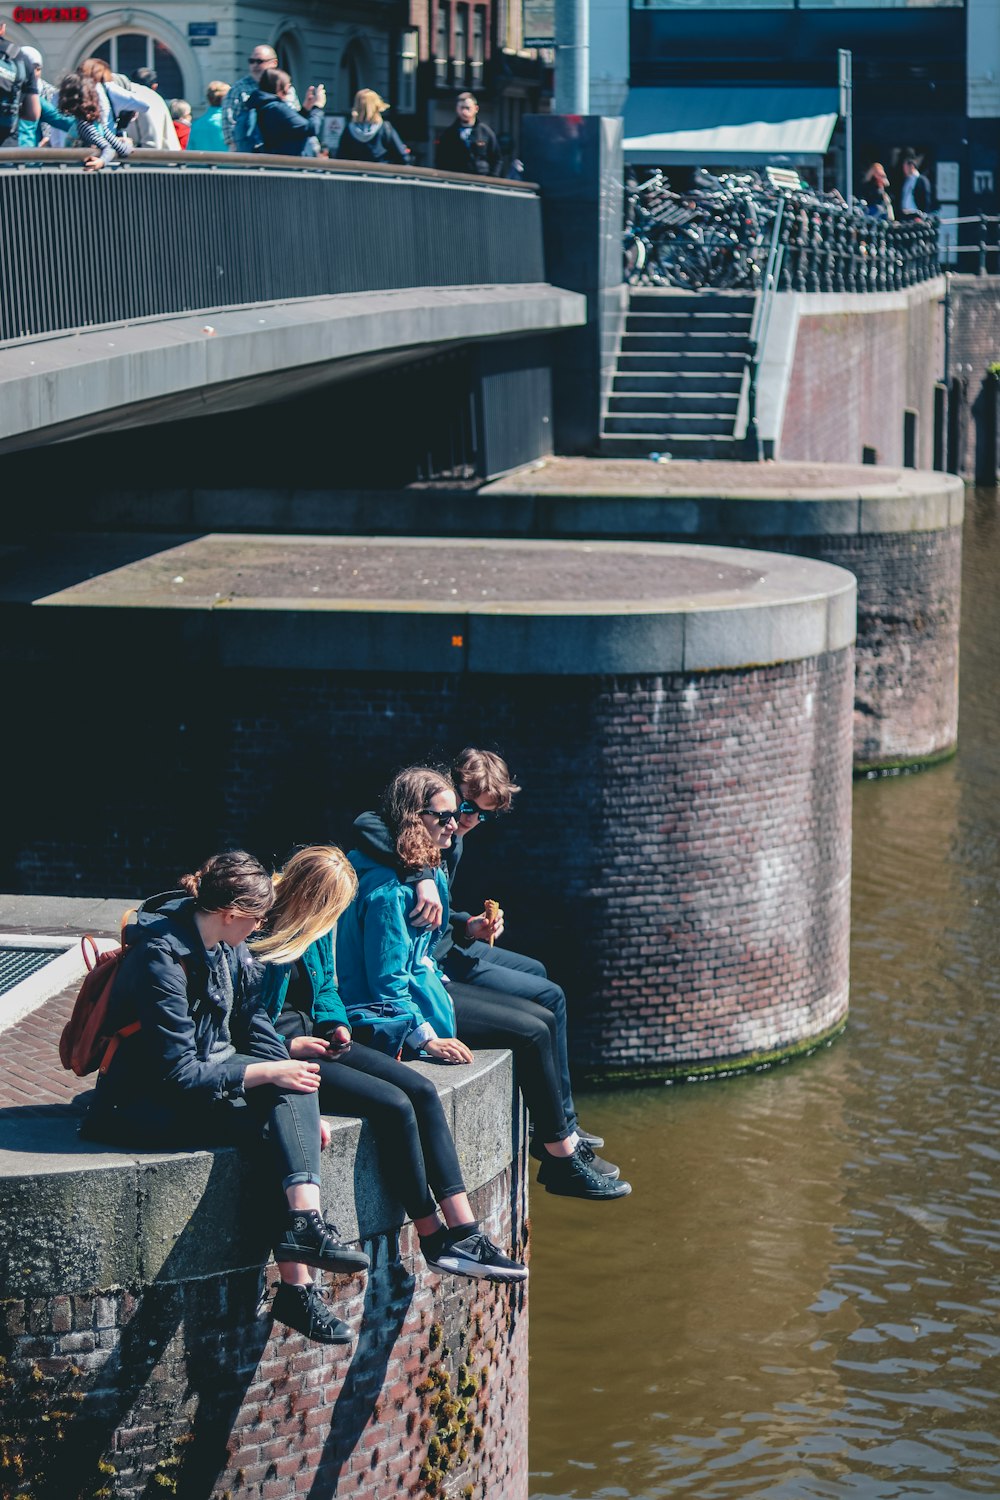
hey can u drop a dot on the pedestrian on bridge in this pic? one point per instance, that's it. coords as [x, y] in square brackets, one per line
[368, 136]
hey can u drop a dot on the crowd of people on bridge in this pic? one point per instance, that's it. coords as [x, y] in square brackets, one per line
[362, 965]
[113, 115]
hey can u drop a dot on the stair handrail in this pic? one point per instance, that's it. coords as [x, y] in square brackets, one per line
[759, 326]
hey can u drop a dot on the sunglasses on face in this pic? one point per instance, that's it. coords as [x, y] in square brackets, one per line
[473, 810]
[444, 818]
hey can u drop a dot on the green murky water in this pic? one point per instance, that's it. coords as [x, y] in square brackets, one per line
[802, 1297]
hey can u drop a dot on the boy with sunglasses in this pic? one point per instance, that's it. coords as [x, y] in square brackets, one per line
[463, 951]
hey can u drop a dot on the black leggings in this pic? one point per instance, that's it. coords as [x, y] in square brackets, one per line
[485, 1018]
[402, 1107]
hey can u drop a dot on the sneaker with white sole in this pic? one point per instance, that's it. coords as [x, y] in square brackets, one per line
[476, 1255]
[305, 1309]
[574, 1177]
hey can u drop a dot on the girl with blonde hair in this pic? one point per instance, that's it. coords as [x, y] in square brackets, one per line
[298, 989]
[368, 136]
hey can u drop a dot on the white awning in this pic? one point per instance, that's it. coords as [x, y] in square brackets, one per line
[724, 127]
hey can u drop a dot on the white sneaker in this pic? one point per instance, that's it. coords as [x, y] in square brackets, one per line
[477, 1255]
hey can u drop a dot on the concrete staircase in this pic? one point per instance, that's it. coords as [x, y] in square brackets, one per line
[680, 372]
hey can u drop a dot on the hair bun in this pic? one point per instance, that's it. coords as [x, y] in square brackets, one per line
[190, 883]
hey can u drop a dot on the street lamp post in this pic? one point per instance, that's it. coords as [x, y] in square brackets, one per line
[845, 82]
[572, 57]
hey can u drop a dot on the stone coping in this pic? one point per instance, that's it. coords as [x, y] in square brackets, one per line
[77, 1216]
[408, 604]
[706, 499]
[67, 385]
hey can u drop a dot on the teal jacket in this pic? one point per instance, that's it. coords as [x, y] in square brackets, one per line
[386, 970]
[320, 964]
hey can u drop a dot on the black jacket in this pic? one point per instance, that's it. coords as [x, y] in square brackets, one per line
[17, 78]
[167, 982]
[382, 145]
[283, 130]
[480, 156]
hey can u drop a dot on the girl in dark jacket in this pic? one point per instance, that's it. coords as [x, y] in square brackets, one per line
[298, 989]
[205, 1067]
[286, 131]
[368, 137]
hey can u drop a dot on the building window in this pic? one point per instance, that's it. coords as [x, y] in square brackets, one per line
[478, 46]
[461, 48]
[441, 47]
[128, 50]
[406, 82]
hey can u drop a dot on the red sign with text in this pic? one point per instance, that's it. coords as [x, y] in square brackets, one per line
[31, 15]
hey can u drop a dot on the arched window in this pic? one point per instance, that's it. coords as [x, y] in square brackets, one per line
[355, 73]
[292, 58]
[125, 51]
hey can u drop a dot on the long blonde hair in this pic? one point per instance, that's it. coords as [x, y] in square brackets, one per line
[368, 107]
[316, 885]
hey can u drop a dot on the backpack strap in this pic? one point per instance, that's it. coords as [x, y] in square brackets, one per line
[115, 1043]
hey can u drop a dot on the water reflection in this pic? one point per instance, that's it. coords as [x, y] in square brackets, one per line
[801, 1298]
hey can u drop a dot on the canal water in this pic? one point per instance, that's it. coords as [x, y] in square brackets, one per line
[802, 1297]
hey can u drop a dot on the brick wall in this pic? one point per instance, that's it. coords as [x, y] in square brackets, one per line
[974, 345]
[679, 856]
[853, 374]
[184, 1389]
[907, 648]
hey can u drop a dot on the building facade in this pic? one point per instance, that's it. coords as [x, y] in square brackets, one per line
[418, 54]
[192, 42]
[926, 73]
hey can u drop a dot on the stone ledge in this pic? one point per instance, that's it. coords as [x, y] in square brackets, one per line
[77, 1216]
[66, 385]
[718, 500]
[490, 608]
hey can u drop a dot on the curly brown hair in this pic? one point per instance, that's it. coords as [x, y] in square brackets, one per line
[78, 97]
[403, 800]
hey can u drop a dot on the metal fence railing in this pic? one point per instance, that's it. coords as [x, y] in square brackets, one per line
[973, 255]
[716, 235]
[178, 232]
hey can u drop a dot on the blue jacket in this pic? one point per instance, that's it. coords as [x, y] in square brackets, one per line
[207, 133]
[166, 983]
[320, 964]
[387, 974]
[283, 130]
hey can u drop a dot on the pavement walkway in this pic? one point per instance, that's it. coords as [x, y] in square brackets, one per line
[32, 1079]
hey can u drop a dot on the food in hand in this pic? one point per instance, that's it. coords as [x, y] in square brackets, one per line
[491, 910]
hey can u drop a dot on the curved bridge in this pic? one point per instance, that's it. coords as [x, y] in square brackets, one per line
[179, 285]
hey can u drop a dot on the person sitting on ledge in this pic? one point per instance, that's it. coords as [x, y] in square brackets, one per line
[298, 989]
[387, 969]
[464, 949]
[205, 1067]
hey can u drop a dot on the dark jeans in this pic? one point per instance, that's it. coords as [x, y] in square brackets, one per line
[486, 1018]
[515, 974]
[402, 1107]
[286, 1121]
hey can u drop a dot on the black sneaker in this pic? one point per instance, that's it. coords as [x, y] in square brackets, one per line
[477, 1255]
[307, 1238]
[594, 1141]
[573, 1177]
[587, 1154]
[304, 1309]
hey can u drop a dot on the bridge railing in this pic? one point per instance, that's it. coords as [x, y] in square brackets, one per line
[173, 233]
